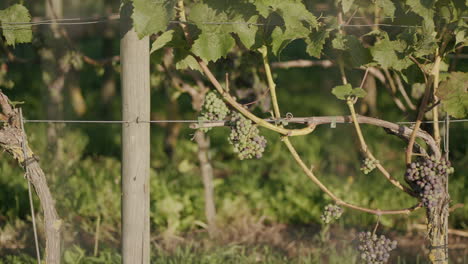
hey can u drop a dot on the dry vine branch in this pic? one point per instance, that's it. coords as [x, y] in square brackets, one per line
[396, 129]
[11, 140]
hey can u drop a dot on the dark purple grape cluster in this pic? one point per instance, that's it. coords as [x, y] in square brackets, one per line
[331, 212]
[428, 177]
[214, 109]
[369, 165]
[375, 249]
[245, 138]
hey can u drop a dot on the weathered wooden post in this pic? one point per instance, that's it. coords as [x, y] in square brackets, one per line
[135, 59]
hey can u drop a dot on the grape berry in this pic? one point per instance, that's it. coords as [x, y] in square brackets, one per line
[428, 178]
[369, 165]
[331, 212]
[214, 109]
[245, 138]
[375, 249]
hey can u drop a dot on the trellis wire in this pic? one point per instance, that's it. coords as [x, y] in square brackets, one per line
[446, 150]
[91, 20]
[192, 121]
[26, 174]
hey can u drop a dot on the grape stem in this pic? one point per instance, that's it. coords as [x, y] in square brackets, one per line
[376, 225]
[365, 149]
[271, 83]
[435, 109]
[422, 107]
[337, 200]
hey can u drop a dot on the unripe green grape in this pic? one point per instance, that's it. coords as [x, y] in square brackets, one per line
[245, 138]
[213, 109]
[369, 165]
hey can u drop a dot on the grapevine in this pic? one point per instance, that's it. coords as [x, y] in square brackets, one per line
[245, 138]
[375, 249]
[214, 109]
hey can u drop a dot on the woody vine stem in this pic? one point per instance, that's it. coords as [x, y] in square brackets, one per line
[286, 133]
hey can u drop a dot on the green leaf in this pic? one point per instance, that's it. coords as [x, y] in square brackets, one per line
[162, 40]
[453, 93]
[387, 6]
[461, 34]
[346, 4]
[243, 14]
[389, 54]
[16, 33]
[339, 42]
[246, 33]
[358, 92]
[211, 46]
[188, 62]
[357, 54]
[316, 41]
[296, 22]
[152, 16]
[215, 40]
[424, 8]
[342, 91]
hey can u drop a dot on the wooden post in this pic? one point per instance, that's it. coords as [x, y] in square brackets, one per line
[135, 56]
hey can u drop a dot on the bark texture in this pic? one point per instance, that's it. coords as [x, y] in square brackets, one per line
[11, 140]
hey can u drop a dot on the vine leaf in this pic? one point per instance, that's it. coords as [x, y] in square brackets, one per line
[215, 40]
[347, 4]
[389, 54]
[316, 41]
[295, 21]
[461, 34]
[387, 6]
[342, 92]
[188, 62]
[243, 15]
[339, 42]
[152, 16]
[358, 92]
[424, 8]
[218, 21]
[246, 31]
[162, 40]
[453, 93]
[358, 54]
[17, 33]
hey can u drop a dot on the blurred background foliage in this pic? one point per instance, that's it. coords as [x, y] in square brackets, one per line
[270, 199]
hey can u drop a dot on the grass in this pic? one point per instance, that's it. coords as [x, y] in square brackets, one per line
[268, 209]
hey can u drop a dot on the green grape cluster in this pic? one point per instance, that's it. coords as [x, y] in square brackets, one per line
[375, 249]
[331, 212]
[213, 109]
[428, 177]
[369, 165]
[245, 138]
